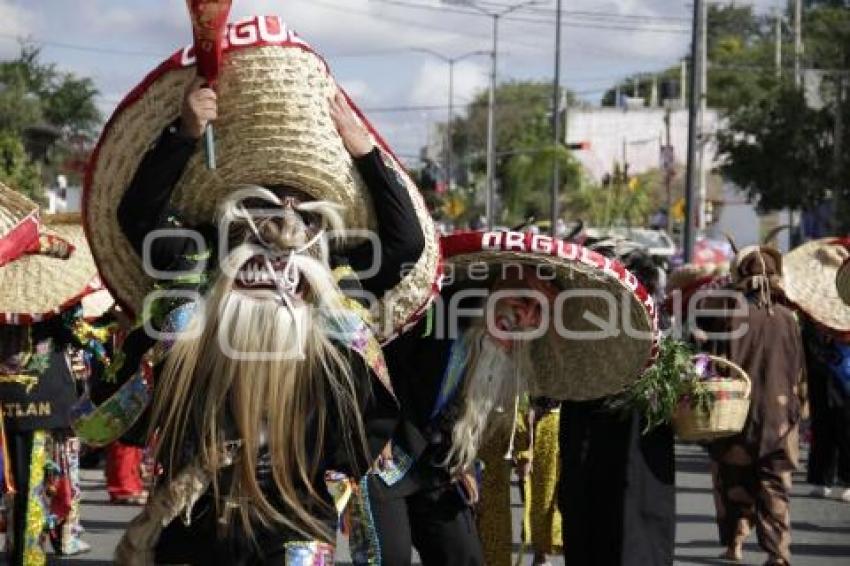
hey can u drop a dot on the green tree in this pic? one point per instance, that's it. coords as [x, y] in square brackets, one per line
[16, 169]
[70, 106]
[19, 107]
[524, 147]
[528, 176]
[740, 57]
[779, 151]
[33, 91]
[618, 201]
[45, 115]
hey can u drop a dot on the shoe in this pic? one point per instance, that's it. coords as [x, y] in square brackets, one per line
[822, 491]
[733, 554]
[75, 547]
[843, 495]
[134, 499]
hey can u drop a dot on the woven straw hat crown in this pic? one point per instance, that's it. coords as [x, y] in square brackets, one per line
[810, 281]
[273, 129]
[36, 286]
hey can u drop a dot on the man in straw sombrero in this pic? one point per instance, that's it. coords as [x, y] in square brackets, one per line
[617, 492]
[813, 279]
[751, 471]
[46, 270]
[270, 385]
[458, 374]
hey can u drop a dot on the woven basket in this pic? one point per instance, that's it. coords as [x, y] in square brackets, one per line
[728, 411]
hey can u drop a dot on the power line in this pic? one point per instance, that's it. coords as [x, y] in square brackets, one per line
[349, 11]
[538, 9]
[442, 107]
[583, 19]
[79, 47]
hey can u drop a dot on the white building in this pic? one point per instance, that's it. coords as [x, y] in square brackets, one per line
[737, 216]
[633, 136]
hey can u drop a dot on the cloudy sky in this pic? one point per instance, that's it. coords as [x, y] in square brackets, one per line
[371, 45]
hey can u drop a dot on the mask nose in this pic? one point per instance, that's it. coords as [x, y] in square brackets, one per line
[293, 231]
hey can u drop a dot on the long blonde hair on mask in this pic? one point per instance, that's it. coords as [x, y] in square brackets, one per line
[268, 399]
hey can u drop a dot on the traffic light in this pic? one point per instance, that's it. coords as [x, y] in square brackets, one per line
[582, 145]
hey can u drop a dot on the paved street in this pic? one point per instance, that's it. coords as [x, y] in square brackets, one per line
[821, 528]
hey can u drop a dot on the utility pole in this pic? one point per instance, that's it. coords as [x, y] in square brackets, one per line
[798, 42]
[451, 63]
[491, 128]
[778, 56]
[449, 144]
[695, 88]
[839, 124]
[668, 172]
[653, 93]
[683, 81]
[703, 105]
[556, 123]
[491, 106]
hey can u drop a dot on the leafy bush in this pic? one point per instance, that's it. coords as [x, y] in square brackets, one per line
[673, 378]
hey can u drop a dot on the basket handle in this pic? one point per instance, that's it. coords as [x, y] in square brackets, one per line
[741, 374]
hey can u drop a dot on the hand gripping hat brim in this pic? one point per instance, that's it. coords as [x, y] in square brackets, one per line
[273, 129]
[602, 330]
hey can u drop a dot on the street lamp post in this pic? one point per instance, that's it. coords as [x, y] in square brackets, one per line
[451, 63]
[556, 125]
[496, 15]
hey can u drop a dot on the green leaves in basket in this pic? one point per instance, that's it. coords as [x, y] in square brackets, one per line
[671, 380]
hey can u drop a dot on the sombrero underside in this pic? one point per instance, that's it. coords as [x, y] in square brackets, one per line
[608, 332]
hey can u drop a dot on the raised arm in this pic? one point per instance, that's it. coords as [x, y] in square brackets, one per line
[399, 232]
[144, 206]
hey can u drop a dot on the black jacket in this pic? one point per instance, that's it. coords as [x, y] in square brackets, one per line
[145, 207]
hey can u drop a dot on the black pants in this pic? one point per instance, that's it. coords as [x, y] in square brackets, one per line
[829, 457]
[438, 523]
[617, 491]
[20, 453]
[209, 543]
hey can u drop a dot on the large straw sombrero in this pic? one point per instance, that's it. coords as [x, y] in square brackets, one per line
[273, 128]
[35, 285]
[842, 281]
[609, 317]
[18, 224]
[809, 281]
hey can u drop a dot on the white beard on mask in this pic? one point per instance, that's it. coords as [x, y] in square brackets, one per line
[494, 379]
[260, 361]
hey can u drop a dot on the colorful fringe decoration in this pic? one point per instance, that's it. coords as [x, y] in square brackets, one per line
[309, 553]
[103, 424]
[363, 542]
[36, 510]
[402, 462]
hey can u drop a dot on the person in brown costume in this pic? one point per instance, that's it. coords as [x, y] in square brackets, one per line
[751, 471]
